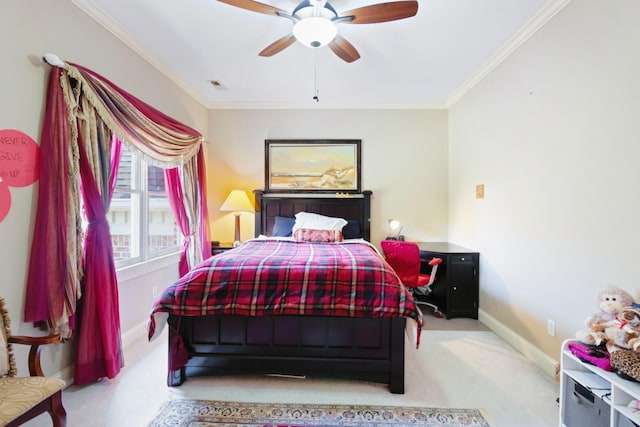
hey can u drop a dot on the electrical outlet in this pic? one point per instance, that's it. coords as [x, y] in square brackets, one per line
[154, 291]
[551, 327]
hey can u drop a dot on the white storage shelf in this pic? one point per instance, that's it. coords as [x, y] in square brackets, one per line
[608, 386]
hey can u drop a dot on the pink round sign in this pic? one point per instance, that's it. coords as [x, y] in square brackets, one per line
[19, 164]
[19, 158]
[5, 200]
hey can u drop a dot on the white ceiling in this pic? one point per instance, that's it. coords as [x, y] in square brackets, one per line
[425, 61]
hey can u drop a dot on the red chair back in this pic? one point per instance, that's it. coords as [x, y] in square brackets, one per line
[404, 258]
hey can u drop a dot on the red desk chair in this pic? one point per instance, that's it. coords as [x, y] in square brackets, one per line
[404, 258]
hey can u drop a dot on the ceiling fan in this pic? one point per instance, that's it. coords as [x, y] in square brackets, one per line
[315, 22]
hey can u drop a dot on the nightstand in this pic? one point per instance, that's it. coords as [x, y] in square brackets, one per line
[217, 248]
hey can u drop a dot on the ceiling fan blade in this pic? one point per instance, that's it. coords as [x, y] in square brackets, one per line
[382, 12]
[255, 6]
[345, 50]
[278, 46]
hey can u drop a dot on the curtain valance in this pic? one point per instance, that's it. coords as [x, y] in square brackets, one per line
[162, 140]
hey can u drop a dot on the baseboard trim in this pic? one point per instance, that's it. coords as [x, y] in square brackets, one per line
[128, 338]
[134, 334]
[531, 352]
[66, 375]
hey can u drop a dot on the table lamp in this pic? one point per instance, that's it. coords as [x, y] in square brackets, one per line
[237, 202]
[394, 230]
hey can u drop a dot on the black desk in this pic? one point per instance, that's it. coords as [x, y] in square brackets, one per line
[456, 288]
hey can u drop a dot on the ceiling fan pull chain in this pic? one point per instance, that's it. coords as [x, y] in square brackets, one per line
[315, 75]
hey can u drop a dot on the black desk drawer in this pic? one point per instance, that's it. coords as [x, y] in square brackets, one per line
[461, 259]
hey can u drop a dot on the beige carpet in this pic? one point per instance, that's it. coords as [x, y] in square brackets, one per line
[207, 413]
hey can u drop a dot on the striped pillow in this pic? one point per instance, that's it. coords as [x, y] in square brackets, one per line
[318, 236]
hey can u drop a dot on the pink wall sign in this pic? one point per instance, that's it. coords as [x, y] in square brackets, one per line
[19, 164]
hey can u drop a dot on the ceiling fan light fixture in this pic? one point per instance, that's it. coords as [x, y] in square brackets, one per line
[315, 31]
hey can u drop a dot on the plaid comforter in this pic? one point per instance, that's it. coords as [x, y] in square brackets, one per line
[266, 277]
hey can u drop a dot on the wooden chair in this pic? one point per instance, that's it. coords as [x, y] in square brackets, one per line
[24, 398]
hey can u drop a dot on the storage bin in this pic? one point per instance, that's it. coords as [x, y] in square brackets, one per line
[625, 422]
[583, 408]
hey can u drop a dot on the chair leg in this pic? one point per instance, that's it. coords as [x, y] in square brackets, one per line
[57, 412]
[437, 313]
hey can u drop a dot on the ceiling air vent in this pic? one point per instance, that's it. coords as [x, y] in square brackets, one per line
[217, 85]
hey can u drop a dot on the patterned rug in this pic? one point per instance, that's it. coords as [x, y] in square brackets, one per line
[205, 413]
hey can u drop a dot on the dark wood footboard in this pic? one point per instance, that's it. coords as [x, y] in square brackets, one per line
[354, 348]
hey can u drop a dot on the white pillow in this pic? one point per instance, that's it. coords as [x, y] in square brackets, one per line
[318, 222]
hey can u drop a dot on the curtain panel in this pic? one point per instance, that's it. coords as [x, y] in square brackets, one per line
[72, 283]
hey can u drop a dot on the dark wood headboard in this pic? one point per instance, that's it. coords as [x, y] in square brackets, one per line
[348, 206]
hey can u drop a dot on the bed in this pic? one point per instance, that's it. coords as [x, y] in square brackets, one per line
[331, 335]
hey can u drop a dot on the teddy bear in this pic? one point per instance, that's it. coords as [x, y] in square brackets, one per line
[621, 333]
[610, 302]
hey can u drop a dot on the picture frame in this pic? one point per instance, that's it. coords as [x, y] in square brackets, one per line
[313, 165]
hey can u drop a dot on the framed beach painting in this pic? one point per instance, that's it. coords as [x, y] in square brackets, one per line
[317, 165]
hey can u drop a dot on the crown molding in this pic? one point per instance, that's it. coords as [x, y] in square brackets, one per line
[323, 106]
[552, 8]
[102, 18]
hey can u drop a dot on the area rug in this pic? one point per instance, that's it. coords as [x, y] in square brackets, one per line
[206, 413]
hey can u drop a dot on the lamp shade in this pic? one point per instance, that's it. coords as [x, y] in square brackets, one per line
[237, 201]
[315, 31]
[394, 225]
[394, 229]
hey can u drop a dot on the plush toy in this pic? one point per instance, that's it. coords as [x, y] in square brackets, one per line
[621, 333]
[610, 302]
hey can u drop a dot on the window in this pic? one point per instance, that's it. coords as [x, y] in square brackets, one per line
[140, 217]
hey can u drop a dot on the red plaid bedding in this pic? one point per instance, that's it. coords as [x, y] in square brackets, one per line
[285, 277]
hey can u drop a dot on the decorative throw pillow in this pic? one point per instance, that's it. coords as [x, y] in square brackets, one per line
[626, 363]
[283, 226]
[352, 229]
[317, 236]
[318, 222]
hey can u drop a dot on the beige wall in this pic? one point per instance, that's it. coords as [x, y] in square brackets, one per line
[29, 29]
[553, 134]
[404, 162]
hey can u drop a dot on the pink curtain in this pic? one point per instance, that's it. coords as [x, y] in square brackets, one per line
[99, 350]
[174, 190]
[72, 275]
[51, 287]
[186, 217]
[203, 229]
